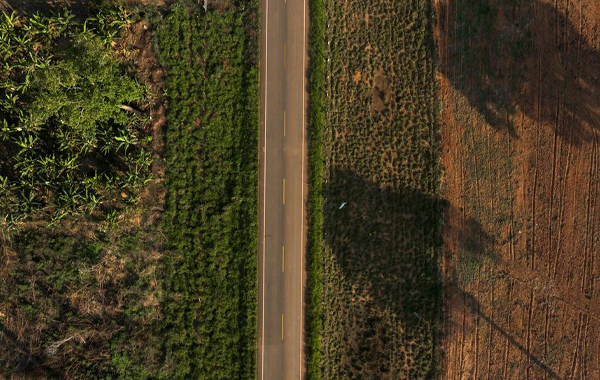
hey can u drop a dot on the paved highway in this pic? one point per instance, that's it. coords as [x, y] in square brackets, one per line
[282, 186]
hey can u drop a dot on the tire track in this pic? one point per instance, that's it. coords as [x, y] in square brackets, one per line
[584, 364]
[588, 237]
[592, 207]
[462, 338]
[546, 332]
[528, 338]
[491, 336]
[563, 184]
[552, 185]
[532, 245]
[507, 340]
[477, 324]
[576, 354]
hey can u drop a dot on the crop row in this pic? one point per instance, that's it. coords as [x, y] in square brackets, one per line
[210, 218]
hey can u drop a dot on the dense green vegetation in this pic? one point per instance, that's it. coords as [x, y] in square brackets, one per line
[375, 214]
[66, 143]
[316, 127]
[210, 218]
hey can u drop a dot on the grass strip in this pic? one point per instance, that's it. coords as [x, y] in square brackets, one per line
[375, 211]
[316, 123]
[211, 219]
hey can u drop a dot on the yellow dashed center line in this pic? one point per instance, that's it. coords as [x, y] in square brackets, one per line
[283, 123]
[283, 258]
[282, 327]
[284, 54]
[284, 191]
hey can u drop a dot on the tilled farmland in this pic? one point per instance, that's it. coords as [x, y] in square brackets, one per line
[520, 139]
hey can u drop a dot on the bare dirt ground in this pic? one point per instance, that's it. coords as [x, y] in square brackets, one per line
[520, 129]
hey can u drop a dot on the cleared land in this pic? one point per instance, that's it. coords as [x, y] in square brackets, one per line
[519, 87]
[373, 280]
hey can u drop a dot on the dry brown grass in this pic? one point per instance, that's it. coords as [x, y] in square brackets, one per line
[380, 287]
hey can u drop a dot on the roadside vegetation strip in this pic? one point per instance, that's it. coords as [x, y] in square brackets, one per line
[375, 213]
[210, 219]
[316, 121]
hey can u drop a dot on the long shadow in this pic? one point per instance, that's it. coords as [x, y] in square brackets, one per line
[509, 56]
[385, 242]
[473, 245]
[475, 309]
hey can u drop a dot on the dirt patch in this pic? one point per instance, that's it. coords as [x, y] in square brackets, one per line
[519, 84]
[135, 48]
[381, 92]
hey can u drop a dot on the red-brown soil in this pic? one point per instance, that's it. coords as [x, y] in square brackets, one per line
[519, 84]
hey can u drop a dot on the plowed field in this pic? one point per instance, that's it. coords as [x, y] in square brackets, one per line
[520, 132]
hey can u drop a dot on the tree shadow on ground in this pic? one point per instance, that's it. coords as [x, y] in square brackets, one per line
[506, 57]
[385, 243]
[473, 307]
[468, 247]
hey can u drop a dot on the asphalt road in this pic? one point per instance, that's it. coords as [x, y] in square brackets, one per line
[282, 189]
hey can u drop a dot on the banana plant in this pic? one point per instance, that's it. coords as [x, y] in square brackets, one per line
[26, 166]
[29, 201]
[70, 198]
[91, 200]
[5, 187]
[26, 142]
[47, 170]
[125, 141]
[5, 131]
[69, 163]
[11, 19]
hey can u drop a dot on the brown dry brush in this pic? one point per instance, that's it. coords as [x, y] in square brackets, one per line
[380, 287]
